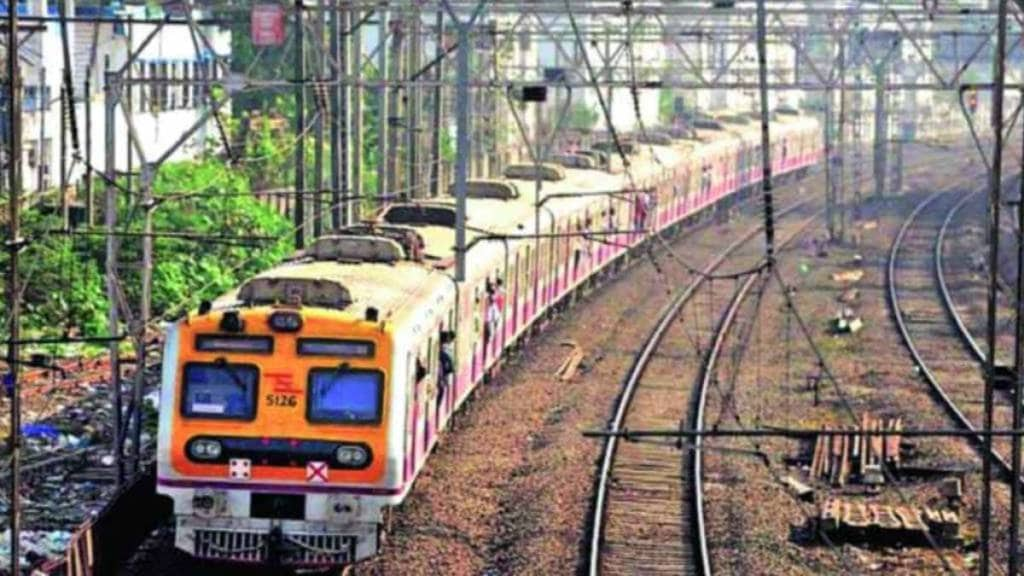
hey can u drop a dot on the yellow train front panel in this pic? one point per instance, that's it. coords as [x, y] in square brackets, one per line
[269, 406]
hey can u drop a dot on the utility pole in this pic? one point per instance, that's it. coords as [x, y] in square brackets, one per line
[127, 100]
[830, 184]
[90, 198]
[766, 154]
[383, 141]
[437, 117]
[463, 110]
[145, 300]
[13, 288]
[881, 132]
[394, 110]
[995, 189]
[299, 213]
[340, 153]
[897, 176]
[42, 156]
[1018, 417]
[110, 216]
[841, 145]
[858, 149]
[320, 102]
[412, 110]
[356, 119]
[462, 116]
[65, 102]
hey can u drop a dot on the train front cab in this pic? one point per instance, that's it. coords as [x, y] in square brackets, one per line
[277, 448]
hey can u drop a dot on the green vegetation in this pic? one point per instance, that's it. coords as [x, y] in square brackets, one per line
[582, 117]
[667, 106]
[62, 275]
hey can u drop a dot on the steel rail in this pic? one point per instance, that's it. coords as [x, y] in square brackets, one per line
[666, 318]
[697, 455]
[940, 273]
[893, 298]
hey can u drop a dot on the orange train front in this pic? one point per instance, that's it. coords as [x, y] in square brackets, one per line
[301, 406]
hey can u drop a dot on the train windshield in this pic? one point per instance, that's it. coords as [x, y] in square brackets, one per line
[220, 390]
[345, 396]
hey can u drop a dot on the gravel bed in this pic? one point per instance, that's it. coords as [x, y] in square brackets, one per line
[509, 491]
[755, 524]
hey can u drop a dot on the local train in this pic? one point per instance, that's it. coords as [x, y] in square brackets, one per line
[298, 408]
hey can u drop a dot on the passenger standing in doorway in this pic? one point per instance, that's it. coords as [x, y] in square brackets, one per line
[493, 312]
[447, 361]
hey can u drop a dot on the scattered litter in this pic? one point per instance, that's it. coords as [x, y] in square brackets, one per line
[38, 546]
[846, 322]
[869, 225]
[568, 368]
[850, 296]
[46, 431]
[952, 489]
[848, 276]
[798, 488]
[152, 399]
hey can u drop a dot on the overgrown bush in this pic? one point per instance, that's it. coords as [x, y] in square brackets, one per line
[62, 275]
[208, 198]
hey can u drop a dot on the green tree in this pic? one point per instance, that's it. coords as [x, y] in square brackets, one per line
[582, 117]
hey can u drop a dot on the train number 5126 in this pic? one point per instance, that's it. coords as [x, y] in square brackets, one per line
[286, 400]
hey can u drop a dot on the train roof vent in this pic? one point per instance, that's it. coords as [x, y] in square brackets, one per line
[270, 290]
[656, 138]
[547, 172]
[406, 236]
[600, 157]
[581, 161]
[356, 248]
[682, 132]
[419, 214]
[609, 147]
[706, 123]
[489, 190]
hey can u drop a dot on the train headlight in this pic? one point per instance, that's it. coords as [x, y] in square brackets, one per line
[352, 456]
[205, 449]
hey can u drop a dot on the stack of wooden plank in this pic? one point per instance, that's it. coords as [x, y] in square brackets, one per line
[857, 453]
[860, 522]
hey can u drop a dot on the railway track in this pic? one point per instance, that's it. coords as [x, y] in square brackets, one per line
[647, 512]
[932, 329]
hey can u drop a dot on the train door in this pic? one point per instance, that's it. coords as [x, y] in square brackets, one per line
[476, 341]
[514, 293]
[429, 393]
[569, 270]
[412, 420]
[529, 291]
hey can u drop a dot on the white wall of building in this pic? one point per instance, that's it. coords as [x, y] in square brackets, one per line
[170, 53]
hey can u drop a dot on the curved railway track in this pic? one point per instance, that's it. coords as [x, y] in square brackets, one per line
[943, 350]
[648, 513]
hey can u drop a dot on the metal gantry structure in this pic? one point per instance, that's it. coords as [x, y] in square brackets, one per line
[502, 75]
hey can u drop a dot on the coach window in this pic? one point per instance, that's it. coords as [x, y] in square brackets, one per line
[345, 395]
[219, 390]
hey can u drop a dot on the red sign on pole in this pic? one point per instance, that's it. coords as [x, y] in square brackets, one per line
[267, 25]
